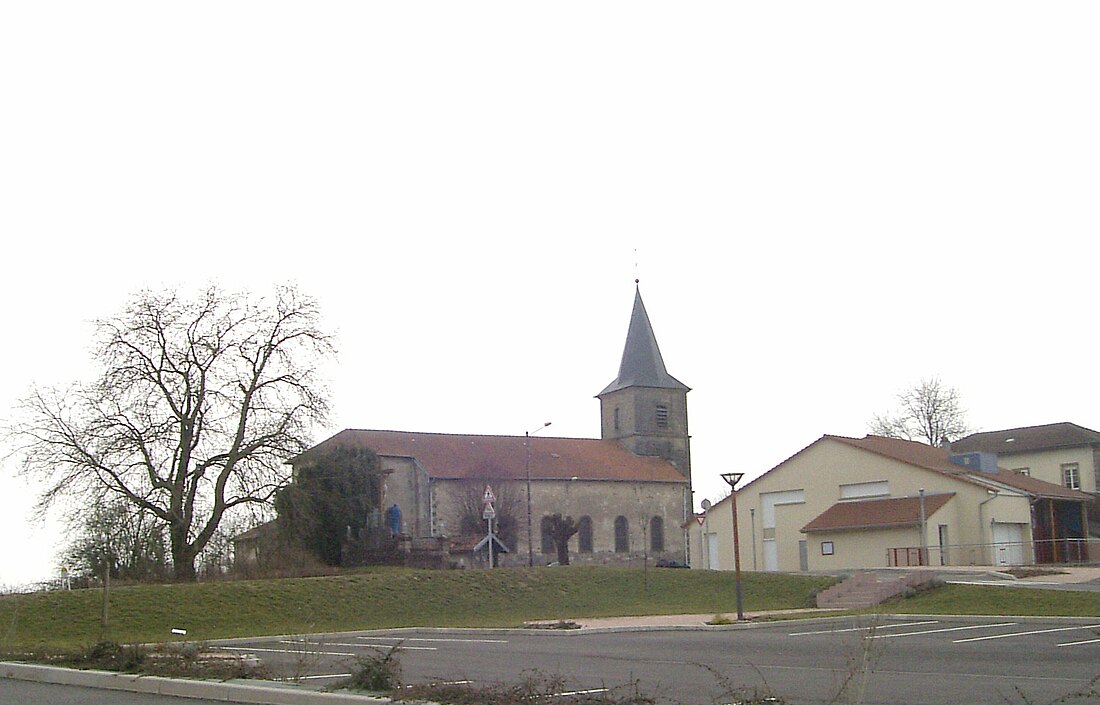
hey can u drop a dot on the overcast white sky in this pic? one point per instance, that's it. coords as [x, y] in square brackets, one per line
[826, 202]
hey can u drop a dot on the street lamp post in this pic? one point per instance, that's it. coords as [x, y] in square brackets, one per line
[752, 523]
[923, 532]
[732, 478]
[527, 470]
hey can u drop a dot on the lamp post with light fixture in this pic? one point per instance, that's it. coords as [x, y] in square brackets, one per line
[527, 468]
[732, 478]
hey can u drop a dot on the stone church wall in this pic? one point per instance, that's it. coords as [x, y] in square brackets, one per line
[602, 501]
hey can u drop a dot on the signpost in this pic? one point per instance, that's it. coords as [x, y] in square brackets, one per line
[488, 514]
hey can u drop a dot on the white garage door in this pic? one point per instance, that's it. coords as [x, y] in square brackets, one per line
[1008, 543]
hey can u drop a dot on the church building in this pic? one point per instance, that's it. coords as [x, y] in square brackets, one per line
[629, 491]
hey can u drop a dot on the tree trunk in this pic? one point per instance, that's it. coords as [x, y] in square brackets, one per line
[183, 555]
[563, 552]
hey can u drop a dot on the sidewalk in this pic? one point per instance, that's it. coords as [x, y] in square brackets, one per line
[688, 621]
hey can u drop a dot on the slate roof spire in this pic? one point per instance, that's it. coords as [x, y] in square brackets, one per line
[642, 364]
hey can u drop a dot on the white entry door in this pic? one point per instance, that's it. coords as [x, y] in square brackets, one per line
[771, 555]
[1008, 543]
[712, 552]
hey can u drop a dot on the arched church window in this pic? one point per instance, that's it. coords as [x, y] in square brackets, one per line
[547, 540]
[622, 535]
[656, 534]
[584, 534]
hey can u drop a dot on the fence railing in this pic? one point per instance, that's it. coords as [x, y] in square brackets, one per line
[1005, 553]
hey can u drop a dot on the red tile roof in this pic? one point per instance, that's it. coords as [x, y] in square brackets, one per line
[877, 513]
[456, 456]
[938, 460]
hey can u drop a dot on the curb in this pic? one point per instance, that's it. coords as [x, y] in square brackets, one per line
[225, 691]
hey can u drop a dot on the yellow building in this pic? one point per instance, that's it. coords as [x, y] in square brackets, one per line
[875, 502]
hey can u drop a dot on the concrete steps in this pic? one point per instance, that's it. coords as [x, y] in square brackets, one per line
[868, 588]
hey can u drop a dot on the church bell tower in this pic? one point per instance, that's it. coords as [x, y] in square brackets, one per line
[645, 408]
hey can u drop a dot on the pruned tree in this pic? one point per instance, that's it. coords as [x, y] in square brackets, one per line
[929, 411]
[331, 502]
[561, 529]
[196, 405]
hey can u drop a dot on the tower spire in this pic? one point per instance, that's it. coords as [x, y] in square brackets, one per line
[642, 364]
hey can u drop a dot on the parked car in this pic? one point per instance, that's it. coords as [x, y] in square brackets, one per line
[668, 563]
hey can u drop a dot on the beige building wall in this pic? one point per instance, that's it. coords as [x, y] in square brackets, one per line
[853, 549]
[1046, 465]
[773, 508]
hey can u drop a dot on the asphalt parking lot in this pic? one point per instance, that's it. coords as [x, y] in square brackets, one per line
[894, 660]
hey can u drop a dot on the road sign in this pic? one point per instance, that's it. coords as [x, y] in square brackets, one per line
[489, 512]
[489, 497]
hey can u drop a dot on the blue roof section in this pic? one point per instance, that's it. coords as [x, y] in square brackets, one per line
[642, 364]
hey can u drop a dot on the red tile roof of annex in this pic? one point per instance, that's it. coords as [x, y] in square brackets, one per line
[877, 513]
[459, 456]
[938, 460]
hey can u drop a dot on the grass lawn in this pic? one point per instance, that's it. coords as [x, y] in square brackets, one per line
[996, 600]
[383, 598]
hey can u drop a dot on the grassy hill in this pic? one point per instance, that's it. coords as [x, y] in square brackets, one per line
[383, 598]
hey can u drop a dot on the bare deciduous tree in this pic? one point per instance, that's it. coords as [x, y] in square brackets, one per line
[929, 411]
[196, 406]
[508, 507]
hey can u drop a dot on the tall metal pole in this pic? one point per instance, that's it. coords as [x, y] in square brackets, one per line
[923, 532]
[733, 478]
[752, 521]
[527, 471]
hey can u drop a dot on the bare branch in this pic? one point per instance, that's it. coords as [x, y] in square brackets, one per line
[196, 407]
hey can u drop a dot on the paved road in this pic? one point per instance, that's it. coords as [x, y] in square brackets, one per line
[925, 661]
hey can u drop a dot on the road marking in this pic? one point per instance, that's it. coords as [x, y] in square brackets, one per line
[1037, 631]
[330, 675]
[571, 693]
[940, 631]
[297, 652]
[1000, 583]
[359, 646]
[1079, 643]
[457, 641]
[860, 629]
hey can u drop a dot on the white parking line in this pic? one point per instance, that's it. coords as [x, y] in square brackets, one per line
[357, 646]
[999, 583]
[328, 675]
[1079, 643]
[946, 629]
[1037, 631]
[457, 641]
[570, 693]
[860, 629]
[297, 652]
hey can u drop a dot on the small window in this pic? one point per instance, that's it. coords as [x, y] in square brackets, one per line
[1022, 471]
[547, 540]
[826, 548]
[584, 535]
[1071, 476]
[616, 418]
[662, 416]
[656, 534]
[622, 537]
